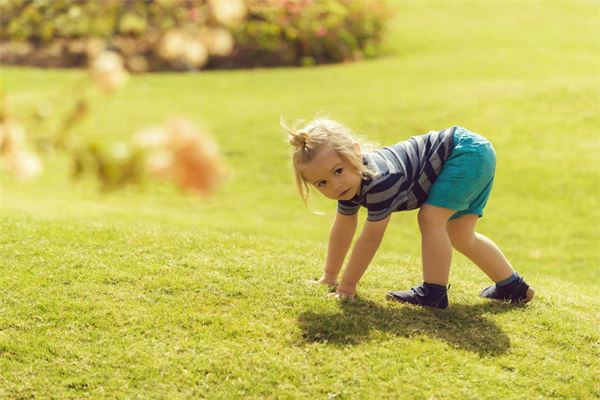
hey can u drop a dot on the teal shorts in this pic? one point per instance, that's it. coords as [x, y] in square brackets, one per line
[465, 181]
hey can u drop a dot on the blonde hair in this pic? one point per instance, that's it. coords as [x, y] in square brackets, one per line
[308, 141]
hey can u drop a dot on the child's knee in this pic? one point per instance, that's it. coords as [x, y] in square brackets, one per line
[462, 242]
[431, 218]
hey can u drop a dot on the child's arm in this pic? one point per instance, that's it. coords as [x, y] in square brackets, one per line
[340, 238]
[362, 254]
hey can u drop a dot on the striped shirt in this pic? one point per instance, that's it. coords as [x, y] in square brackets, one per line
[404, 175]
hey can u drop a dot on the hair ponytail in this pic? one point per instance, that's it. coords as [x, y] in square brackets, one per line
[295, 139]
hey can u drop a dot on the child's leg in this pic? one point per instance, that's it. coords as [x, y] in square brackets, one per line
[436, 254]
[478, 248]
[436, 248]
[483, 252]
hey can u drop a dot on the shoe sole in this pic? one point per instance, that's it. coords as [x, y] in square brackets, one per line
[397, 300]
[529, 295]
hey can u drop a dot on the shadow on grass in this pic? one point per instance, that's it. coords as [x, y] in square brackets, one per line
[461, 326]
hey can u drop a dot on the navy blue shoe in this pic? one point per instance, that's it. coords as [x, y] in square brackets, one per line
[426, 294]
[516, 292]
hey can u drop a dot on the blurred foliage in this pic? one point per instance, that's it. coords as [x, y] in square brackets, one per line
[294, 32]
[176, 151]
[112, 37]
[190, 34]
[113, 166]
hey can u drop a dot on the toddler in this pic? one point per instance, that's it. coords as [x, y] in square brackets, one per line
[447, 174]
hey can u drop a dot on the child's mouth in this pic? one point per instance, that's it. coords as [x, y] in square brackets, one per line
[344, 193]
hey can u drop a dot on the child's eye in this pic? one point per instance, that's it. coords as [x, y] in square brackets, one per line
[338, 171]
[321, 183]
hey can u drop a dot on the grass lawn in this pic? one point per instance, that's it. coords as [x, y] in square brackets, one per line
[152, 294]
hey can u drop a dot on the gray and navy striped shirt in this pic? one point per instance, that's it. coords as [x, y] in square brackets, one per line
[405, 173]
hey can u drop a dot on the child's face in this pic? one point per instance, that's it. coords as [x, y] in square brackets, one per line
[331, 175]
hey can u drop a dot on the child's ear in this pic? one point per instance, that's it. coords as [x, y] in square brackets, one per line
[356, 147]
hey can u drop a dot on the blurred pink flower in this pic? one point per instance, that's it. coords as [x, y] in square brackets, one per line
[218, 41]
[19, 162]
[294, 6]
[194, 13]
[93, 47]
[108, 71]
[24, 165]
[229, 12]
[172, 45]
[182, 152]
[12, 136]
[160, 163]
[321, 31]
[195, 53]
[179, 45]
[151, 138]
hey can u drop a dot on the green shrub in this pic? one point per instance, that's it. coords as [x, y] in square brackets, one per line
[190, 34]
[308, 32]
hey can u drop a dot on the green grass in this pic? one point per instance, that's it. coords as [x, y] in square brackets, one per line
[152, 294]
